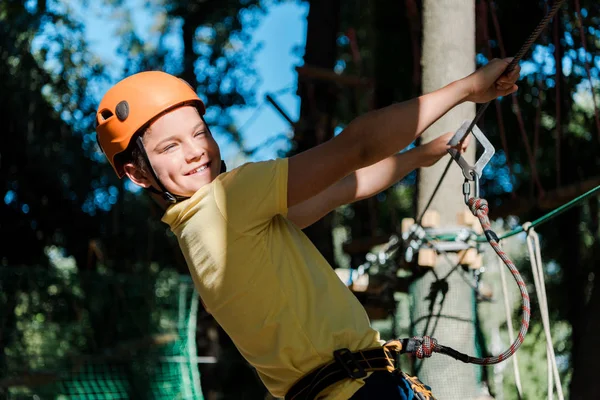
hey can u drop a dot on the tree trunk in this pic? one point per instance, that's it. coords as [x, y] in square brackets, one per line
[318, 100]
[448, 54]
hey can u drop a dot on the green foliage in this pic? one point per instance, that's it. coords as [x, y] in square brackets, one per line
[84, 332]
[42, 185]
[60, 195]
[558, 117]
[570, 245]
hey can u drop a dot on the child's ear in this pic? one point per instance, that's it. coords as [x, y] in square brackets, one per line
[136, 175]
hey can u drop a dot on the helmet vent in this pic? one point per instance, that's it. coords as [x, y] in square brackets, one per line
[122, 110]
[106, 114]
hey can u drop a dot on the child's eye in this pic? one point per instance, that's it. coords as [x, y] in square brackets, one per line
[199, 133]
[167, 148]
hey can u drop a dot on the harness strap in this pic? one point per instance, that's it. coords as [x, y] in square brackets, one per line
[346, 365]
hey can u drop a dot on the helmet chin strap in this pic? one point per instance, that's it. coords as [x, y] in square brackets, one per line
[166, 195]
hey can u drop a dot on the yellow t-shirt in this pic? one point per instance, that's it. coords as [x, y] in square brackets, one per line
[263, 280]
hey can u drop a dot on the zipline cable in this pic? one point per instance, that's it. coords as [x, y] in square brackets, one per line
[543, 219]
[547, 217]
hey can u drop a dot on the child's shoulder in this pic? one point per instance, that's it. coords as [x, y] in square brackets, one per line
[255, 166]
[253, 174]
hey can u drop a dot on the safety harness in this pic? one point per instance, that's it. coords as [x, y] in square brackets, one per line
[357, 365]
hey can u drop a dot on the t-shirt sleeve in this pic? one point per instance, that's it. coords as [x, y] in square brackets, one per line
[251, 195]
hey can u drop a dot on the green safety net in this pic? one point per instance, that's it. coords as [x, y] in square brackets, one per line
[73, 335]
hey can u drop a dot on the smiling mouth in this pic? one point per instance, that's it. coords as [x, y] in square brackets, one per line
[199, 169]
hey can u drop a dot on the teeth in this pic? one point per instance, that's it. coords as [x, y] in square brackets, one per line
[202, 168]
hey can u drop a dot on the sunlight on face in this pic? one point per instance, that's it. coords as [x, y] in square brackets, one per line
[182, 151]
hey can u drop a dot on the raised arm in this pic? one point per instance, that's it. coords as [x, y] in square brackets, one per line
[378, 134]
[360, 184]
[369, 181]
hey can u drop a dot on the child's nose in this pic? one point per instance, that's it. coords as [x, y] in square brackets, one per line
[194, 152]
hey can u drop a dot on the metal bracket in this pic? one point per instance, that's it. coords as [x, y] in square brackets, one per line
[468, 170]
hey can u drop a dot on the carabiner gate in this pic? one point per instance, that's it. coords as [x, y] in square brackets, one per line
[467, 188]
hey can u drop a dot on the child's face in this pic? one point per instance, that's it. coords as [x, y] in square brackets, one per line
[182, 151]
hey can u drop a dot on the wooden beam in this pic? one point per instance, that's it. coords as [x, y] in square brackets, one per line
[553, 199]
[324, 74]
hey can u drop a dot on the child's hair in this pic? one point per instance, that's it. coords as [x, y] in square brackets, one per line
[133, 154]
[138, 160]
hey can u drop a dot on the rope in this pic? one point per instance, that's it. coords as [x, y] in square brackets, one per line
[559, 77]
[499, 117]
[535, 257]
[511, 332]
[252, 117]
[536, 128]
[554, 213]
[455, 266]
[437, 187]
[425, 346]
[543, 219]
[479, 207]
[522, 51]
[517, 107]
[259, 108]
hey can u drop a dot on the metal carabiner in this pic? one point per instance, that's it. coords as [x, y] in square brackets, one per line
[471, 172]
[467, 188]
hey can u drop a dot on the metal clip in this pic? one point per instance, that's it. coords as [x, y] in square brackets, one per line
[471, 172]
[488, 151]
[467, 188]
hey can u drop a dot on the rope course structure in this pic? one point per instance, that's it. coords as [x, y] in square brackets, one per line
[416, 236]
[269, 99]
[419, 235]
[426, 346]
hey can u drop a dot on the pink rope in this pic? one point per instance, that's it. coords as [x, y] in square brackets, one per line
[425, 346]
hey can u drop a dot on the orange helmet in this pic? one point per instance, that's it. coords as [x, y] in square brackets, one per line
[133, 103]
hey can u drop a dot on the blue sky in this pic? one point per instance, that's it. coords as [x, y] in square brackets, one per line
[281, 30]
